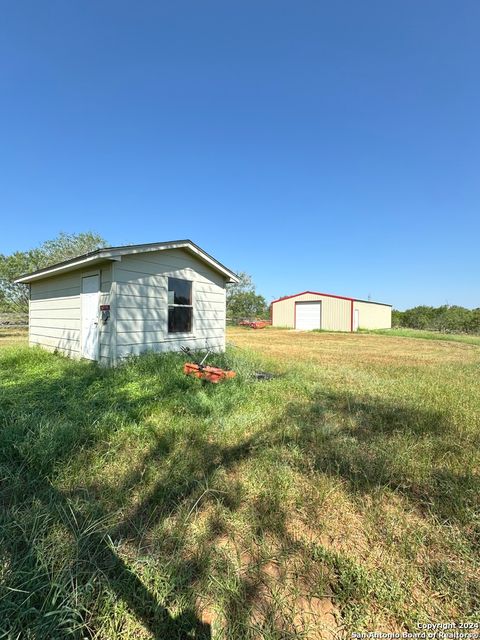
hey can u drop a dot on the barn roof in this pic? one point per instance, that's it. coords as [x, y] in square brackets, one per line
[116, 253]
[330, 295]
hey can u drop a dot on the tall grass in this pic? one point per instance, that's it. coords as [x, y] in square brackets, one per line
[141, 503]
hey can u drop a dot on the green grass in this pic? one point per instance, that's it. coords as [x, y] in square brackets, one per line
[425, 335]
[138, 503]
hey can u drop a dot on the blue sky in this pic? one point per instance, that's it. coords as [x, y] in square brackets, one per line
[332, 146]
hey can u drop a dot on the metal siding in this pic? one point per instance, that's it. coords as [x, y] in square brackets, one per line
[335, 312]
[373, 316]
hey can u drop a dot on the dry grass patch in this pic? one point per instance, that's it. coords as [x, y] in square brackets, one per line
[12, 337]
[345, 349]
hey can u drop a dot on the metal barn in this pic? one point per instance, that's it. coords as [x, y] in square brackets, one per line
[311, 310]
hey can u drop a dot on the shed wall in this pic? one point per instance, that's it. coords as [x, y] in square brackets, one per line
[54, 312]
[373, 316]
[336, 312]
[140, 303]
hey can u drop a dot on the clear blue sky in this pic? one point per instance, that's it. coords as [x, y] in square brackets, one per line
[332, 146]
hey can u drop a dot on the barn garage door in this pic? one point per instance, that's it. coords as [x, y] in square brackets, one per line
[308, 315]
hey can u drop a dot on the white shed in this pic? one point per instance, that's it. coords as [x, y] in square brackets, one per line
[118, 301]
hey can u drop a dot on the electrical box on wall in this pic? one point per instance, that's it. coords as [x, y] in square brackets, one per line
[105, 309]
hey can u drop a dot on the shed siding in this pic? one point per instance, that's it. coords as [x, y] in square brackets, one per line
[51, 301]
[373, 316]
[107, 329]
[54, 311]
[335, 313]
[141, 303]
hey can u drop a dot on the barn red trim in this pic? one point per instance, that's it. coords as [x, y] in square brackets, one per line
[316, 293]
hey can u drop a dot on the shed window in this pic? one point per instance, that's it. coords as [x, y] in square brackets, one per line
[180, 309]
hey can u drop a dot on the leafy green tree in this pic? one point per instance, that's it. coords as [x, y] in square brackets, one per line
[452, 318]
[243, 301]
[244, 284]
[247, 305]
[474, 322]
[397, 318]
[420, 317]
[14, 297]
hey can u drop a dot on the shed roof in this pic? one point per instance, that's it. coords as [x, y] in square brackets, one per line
[329, 295]
[116, 253]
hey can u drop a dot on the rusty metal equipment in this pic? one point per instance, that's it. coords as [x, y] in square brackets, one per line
[205, 372]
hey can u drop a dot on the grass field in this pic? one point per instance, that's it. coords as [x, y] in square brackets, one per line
[426, 335]
[343, 495]
[12, 336]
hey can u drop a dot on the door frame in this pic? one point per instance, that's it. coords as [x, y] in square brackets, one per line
[89, 274]
[356, 319]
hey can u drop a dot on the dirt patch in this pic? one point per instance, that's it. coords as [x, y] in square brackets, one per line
[282, 592]
[319, 617]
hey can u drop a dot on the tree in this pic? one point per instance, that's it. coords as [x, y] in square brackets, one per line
[397, 318]
[474, 323]
[244, 285]
[243, 301]
[247, 305]
[14, 297]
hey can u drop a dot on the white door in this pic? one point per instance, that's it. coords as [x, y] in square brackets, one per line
[90, 299]
[307, 316]
[356, 319]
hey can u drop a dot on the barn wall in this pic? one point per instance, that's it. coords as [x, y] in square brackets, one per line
[140, 305]
[373, 316]
[54, 311]
[336, 312]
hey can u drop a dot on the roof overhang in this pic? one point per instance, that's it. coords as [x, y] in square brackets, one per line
[116, 253]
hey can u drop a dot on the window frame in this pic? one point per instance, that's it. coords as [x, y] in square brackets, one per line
[175, 305]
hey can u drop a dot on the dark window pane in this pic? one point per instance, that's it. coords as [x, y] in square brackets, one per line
[179, 291]
[179, 319]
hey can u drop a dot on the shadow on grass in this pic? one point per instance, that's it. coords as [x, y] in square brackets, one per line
[44, 422]
[46, 419]
[50, 409]
[95, 558]
[374, 443]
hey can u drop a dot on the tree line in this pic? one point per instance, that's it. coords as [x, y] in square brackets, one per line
[446, 319]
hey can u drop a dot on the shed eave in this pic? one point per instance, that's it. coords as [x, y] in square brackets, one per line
[65, 268]
[115, 254]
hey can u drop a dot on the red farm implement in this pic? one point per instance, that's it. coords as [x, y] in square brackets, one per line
[255, 324]
[205, 372]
